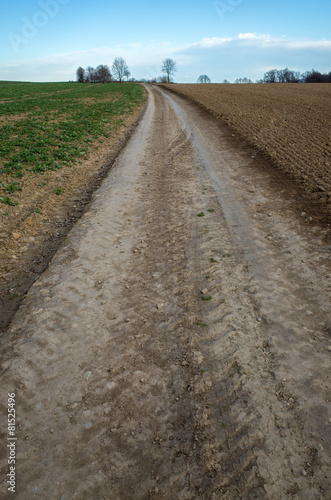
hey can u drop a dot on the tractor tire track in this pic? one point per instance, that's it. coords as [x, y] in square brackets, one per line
[167, 351]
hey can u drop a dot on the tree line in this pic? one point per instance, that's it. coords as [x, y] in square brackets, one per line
[281, 76]
[119, 71]
[288, 76]
[103, 74]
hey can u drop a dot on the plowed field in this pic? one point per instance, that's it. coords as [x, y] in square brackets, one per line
[289, 123]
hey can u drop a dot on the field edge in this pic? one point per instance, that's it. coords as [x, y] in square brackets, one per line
[69, 210]
[317, 203]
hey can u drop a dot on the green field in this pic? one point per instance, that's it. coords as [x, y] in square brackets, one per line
[44, 126]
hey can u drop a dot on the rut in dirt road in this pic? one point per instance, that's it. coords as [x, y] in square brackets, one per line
[177, 345]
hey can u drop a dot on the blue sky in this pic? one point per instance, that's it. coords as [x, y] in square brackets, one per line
[46, 40]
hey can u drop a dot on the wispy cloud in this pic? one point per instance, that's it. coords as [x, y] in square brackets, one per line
[261, 39]
[241, 55]
[62, 66]
[208, 43]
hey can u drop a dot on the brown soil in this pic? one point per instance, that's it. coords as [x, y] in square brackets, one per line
[290, 124]
[33, 230]
[178, 344]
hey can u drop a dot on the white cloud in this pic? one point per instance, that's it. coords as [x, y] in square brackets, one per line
[145, 60]
[210, 42]
[61, 67]
[134, 45]
[247, 36]
[308, 44]
[259, 39]
[242, 37]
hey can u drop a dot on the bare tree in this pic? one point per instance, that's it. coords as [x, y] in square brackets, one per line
[270, 76]
[243, 80]
[288, 76]
[281, 76]
[314, 76]
[80, 74]
[169, 67]
[127, 74]
[103, 73]
[162, 79]
[119, 68]
[203, 79]
[90, 75]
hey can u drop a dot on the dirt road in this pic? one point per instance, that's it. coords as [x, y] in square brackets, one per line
[178, 344]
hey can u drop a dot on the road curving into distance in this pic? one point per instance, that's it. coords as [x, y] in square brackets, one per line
[178, 344]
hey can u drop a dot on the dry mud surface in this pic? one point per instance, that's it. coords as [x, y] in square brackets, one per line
[28, 239]
[178, 344]
[289, 124]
